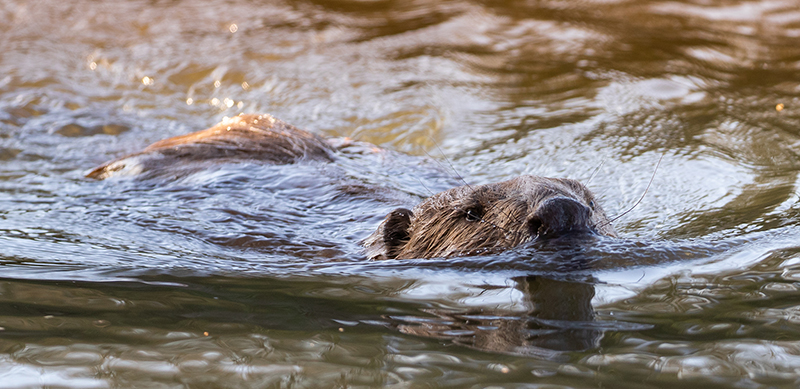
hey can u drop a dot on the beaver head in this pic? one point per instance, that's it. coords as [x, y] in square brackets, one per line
[473, 219]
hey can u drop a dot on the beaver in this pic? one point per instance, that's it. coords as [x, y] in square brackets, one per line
[465, 220]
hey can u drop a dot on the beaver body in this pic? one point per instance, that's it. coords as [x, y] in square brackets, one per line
[465, 220]
[244, 137]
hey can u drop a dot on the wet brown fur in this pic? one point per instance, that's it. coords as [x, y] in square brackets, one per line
[470, 220]
[244, 137]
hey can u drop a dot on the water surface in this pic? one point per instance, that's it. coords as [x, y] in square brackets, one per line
[245, 275]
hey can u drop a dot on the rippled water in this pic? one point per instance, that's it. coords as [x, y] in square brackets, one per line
[244, 275]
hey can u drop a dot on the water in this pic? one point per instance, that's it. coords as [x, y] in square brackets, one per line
[245, 275]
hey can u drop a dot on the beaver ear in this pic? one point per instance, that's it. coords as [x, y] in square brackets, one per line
[395, 231]
[391, 236]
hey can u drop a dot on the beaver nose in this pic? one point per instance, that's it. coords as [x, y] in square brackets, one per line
[558, 216]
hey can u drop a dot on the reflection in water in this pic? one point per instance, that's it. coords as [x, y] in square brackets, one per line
[568, 307]
[555, 312]
[560, 318]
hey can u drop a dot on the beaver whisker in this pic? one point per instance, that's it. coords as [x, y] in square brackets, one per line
[458, 176]
[615, 218]
[424, 186]
[597, 169]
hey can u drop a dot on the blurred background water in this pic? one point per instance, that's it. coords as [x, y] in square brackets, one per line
[246, 275]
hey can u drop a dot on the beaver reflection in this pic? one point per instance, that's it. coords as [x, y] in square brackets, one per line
[559, 319]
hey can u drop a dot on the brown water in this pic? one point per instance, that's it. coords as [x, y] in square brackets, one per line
[251, 276]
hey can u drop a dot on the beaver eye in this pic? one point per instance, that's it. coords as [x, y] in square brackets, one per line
[591, 204]
[473, 214]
